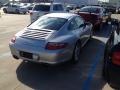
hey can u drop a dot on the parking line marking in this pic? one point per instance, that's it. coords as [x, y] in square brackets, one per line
[87, 82]
[7, 54]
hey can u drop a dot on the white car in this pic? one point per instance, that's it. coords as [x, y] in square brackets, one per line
[54, 38]
[45, 8]
[14, 8]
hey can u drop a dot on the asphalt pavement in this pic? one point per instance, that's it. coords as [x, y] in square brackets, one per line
[18, 75]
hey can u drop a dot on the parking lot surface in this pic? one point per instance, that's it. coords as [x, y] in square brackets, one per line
[18, 75]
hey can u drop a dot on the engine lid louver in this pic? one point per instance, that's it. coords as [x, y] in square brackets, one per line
[37, 34]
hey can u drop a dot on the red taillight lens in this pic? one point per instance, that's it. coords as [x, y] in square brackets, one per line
[116, 58]
[31, 13]
[13, 39]
[55, 46]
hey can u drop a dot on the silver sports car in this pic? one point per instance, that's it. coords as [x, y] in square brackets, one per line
[53, 38]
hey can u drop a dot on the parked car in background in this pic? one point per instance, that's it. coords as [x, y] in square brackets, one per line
[94, 14]
[70, 7]
[52, 39]
[1, 4]
[111, 9]
[45, 8]
[111, 67]
[29, 6]
[15, 8]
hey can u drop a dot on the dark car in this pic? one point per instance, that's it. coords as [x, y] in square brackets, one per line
[94, 14]
[111, 9]
[111, 67]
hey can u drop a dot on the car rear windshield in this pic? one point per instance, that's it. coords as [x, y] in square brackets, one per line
[42, 8]
[91, 10]
[51, 23]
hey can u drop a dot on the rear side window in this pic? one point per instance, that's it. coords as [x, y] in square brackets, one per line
[84, 9]
[51, 23]
[42, 8]
[95, 10]
[58, 8]
[79, 21]
[75, 23]
[14, 6]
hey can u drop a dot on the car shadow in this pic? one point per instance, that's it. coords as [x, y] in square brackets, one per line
[85, 75]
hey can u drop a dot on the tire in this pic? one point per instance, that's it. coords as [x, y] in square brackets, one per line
[4, 10]
[105, 72]
[104, 67]
[76, 53]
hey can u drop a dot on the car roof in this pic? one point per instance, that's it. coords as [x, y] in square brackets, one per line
[62, 15]
[93, 7]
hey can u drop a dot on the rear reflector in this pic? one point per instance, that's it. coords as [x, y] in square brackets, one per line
[13, 39]
[116, 58]
[55, 45]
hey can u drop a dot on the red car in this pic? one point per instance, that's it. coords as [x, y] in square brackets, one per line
[94, 14]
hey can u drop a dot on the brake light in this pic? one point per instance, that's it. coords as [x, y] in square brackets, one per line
[13, 39]
[55, 45]
[31, 13]
[116, 58]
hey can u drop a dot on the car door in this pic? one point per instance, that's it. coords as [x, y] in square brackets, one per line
[9, 8]
[79, 29]
[14, 8]
[85, 30]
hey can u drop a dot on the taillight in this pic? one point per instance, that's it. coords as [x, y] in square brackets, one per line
[31, 13]
[13, 39]
[116, 58]
[55, 45]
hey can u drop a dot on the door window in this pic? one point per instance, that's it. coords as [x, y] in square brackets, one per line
[79, 21]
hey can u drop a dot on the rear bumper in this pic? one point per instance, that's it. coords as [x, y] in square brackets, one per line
[114, 75]
[44, 56]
